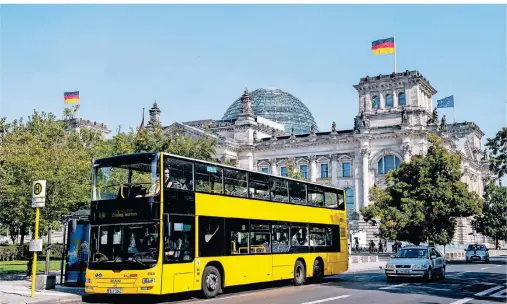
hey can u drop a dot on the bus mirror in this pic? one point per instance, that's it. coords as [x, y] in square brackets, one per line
[74, 224]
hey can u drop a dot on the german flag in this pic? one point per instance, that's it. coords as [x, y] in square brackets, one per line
[383, 46]
[71, 97]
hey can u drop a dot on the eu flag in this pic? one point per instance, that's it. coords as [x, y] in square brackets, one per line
[447, 102]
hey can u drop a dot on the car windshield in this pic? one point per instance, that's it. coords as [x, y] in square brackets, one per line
[124, 246]
[412, 253]
[476, 247]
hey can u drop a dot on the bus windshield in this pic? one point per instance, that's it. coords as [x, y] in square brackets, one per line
[125, 176]
[125, 246]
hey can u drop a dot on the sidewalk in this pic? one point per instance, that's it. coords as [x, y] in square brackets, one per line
[15, 289]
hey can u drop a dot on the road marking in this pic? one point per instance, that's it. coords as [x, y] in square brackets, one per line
[234, 296]
[393, 286]
[462, 301]
[485, 292]
[500, 294]
[498, 266]
[327, 300]
[485, 268]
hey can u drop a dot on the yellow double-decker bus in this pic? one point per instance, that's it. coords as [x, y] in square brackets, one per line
[163, 224]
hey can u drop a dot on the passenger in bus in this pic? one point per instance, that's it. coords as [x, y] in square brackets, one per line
[169, 182]
[173, 248]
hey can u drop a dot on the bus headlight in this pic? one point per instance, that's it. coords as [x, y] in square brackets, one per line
[88, 280]
[149, 281]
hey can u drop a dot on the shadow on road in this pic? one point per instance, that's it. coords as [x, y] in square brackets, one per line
[187, 296]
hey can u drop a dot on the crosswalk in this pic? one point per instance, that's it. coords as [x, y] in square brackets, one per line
[499, 292]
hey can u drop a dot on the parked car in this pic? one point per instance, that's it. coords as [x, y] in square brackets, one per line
[416, 262]
[476, 252]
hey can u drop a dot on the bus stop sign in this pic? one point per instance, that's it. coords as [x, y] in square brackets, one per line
[39, 194]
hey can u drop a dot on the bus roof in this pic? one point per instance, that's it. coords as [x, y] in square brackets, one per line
[147, 154]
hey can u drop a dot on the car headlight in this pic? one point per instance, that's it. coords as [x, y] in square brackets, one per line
[149, 281]
[420, 267]
[389, 266]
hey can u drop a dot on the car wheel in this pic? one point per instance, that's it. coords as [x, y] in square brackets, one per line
[429, 275]
[211, 282]
[442, 274]
[299, 273]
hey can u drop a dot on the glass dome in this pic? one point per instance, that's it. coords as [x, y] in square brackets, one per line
[278, 106]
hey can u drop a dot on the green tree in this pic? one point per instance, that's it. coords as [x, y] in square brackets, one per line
[497, 147]
[493, 222]
[422, 198]
[42, 149]
[292, 171]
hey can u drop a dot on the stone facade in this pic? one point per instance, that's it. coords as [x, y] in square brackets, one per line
[395, 116]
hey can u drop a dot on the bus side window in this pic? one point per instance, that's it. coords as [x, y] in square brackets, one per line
[208, 178]
[235, 182]
[181, 172]
[280, 238]
[259, 186]
[237, 236]
[315, 196]
[297, 193]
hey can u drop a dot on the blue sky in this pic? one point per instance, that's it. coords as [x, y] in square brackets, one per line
[196, 60]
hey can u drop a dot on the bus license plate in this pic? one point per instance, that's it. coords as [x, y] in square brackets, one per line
[114, 290]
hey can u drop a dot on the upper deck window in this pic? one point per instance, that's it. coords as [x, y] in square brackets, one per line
[125, 176]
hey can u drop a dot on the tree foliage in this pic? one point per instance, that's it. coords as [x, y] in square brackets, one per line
[497, 147]
[422, 198]
[493, 222]
[292, 170]
[42, 148]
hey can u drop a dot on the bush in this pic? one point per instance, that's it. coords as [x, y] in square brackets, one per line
[10, 253]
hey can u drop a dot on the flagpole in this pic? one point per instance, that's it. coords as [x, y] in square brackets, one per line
[395, 47]
[453, 114]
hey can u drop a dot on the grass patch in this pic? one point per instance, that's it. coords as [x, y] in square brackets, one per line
[19, 267]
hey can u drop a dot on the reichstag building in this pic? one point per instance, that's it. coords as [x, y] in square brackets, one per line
[395, 113]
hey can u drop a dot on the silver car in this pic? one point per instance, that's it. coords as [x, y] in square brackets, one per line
[416, 262]
[476, 252]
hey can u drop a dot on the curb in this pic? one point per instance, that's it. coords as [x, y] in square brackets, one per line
[64, 300]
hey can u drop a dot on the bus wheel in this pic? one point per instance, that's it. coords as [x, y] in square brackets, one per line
[211, 282]
[299, 273]
[318, 270]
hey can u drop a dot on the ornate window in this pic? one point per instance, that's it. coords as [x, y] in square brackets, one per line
[375, 102]
[283, 171]
[265, 170]
[389, 100]
[401, 99]
[324, 171]
[388, 163]
[346, 171]
[350, 200]
[304, 170]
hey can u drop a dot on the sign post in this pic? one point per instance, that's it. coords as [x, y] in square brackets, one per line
[38, 201]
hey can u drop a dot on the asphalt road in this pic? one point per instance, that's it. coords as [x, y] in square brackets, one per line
[465, 283]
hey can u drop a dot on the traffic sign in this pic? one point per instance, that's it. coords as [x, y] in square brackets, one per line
[35, 245]
[39, 194]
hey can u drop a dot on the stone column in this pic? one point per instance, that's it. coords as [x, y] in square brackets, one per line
[365, 152]
[334, 169]
[395, 99]
[313, 168]
[273, 166]
[407, 152]
[356, 189]
[250, 161]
